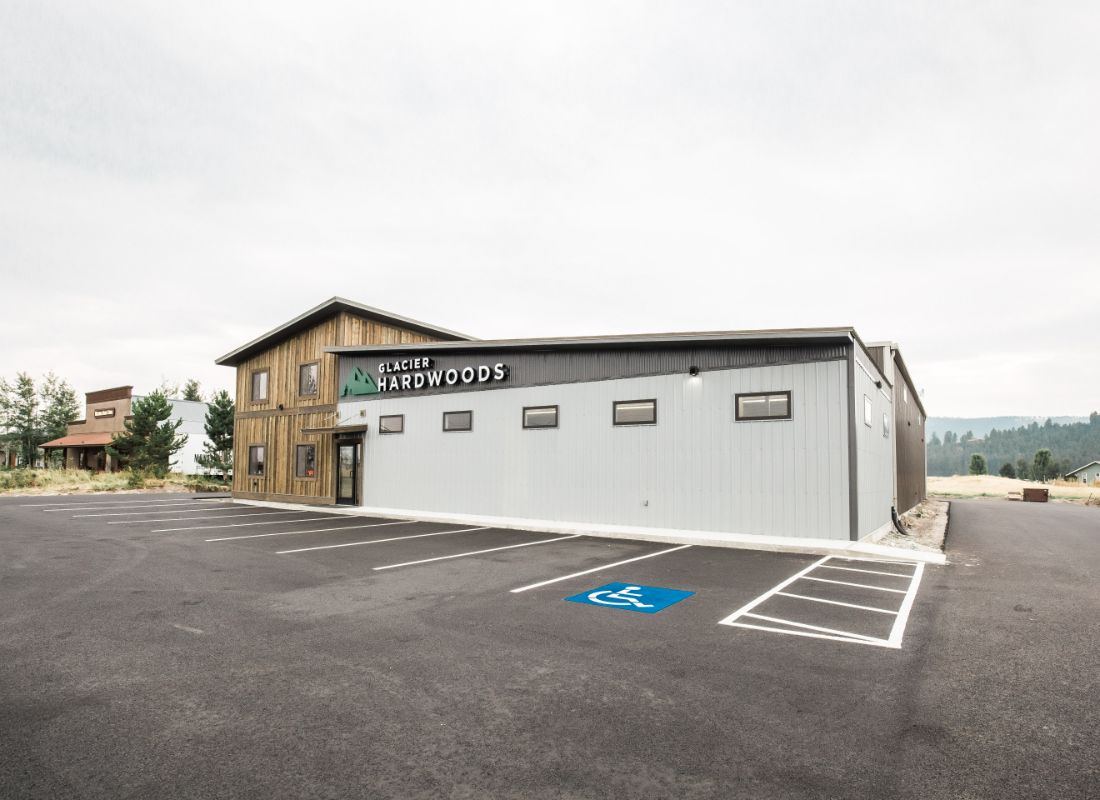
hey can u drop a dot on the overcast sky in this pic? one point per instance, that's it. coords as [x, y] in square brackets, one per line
[177, 178]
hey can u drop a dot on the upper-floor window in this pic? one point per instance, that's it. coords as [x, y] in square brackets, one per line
[750, 406]
[391, 423]
[308, 375]
[540, 417]
[458, 420]
[886, 425]
[259, 385]
[634, 412]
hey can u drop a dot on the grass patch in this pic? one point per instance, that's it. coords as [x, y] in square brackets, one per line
[72, 481]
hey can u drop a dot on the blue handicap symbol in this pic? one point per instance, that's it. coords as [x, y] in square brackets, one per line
[631, 597]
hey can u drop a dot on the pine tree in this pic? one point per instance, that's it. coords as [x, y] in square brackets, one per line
[150, 437]
[977, 464]
[192, 390]
[217, 453]
[1022, 469]
[59, 409]
[1041, 466]
[20, 416]
[1007, 470]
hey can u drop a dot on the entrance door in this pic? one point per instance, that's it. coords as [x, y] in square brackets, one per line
[347, 473]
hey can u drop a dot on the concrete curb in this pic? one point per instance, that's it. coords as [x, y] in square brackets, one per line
[776, 544]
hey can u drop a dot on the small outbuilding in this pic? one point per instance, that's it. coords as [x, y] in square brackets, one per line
[1090, 473]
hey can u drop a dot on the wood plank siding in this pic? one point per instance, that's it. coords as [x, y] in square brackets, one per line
[277, 422]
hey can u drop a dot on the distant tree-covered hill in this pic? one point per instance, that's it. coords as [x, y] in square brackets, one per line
[980, 426]
[1071, 445]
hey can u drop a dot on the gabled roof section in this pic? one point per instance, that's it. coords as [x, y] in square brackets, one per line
[1086, 466]
[322, 312]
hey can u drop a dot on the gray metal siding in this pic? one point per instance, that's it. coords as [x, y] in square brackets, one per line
[696, 469]
[874, 452]
[527, 368]
[912, 464]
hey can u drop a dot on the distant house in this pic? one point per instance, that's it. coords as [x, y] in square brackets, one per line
[85, 444]
[1090, 473]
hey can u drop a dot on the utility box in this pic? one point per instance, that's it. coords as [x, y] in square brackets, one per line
[1036, 494]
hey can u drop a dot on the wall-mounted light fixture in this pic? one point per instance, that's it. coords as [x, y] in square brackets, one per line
[693, 371]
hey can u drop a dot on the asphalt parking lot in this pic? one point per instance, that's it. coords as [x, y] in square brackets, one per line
[168, 646]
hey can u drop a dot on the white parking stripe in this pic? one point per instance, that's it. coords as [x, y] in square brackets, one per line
[189, 519]
[835, 602]
[128, 507]
[817, 628]
[870, 571]
[600, 569]
[316, 530]
[857, 585]
[906, 606]
[120, 501]
[375, 541]
[753, 604]
[478, 552]
[153, 513]
[808, 634]
[247, 524]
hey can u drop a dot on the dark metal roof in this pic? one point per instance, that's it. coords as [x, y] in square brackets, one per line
[644, 340]
[322, 312]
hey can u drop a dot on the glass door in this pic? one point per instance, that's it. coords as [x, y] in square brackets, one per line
[347, 473]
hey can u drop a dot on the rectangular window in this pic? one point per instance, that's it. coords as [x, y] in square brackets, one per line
[391, 423]
[762, 405]
[868, 411]
[458, 421]
[305, 461]
[256, 460]
[634, 412]
[307, 379]
[540, 417]
[259, 385]
[886, 425]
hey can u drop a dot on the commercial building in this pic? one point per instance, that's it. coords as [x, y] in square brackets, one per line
[781, 433]
[85, 444]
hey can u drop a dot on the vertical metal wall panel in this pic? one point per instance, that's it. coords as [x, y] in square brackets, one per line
[697, 469]
[874, 452]
[912, 466]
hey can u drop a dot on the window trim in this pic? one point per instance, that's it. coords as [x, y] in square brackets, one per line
[615, 406]
[248, 462]
[737, 406]
[316, 461]
[443, 420]
[252, 386]
[527, 427]
[868, 411]
[317, 392]
[391, 416]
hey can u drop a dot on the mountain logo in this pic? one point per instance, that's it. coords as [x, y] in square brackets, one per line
[359, 383]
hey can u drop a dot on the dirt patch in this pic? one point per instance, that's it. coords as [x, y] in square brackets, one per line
[925, 525]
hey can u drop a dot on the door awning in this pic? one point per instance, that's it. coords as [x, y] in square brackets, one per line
[337, 429]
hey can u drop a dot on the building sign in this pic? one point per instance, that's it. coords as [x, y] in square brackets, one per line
[419, 373]
[101, 413]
